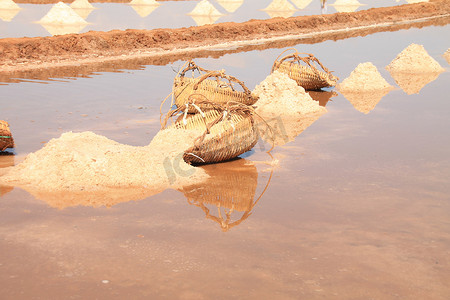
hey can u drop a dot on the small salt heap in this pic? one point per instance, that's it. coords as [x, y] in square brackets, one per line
[365, 87]
[230, 5]
[365, 77]
[8, 10]
[82, 4]
[414, 68]
[286, 107]
[280, 8]
[205, 13]
[204, 8]
[414, 59]
[62, 14]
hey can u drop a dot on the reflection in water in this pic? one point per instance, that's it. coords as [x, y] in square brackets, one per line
[365, 101]
[301, 4]
[280, 8]
[230, 5]
[83, 12]
[232, 186]
[346, 5]
[322, 96]
[284, 129]
[60, 29]
[8, 10]
[6, 160]
[412, 83]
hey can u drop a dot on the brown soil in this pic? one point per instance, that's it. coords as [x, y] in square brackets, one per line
[165, 45]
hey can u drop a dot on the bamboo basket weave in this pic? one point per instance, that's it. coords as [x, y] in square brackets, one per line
[215, 86]
[229, 131]
[6, 139]
[307, 75]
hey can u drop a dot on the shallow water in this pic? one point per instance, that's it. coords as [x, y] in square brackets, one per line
[358, 207]
[169, 14]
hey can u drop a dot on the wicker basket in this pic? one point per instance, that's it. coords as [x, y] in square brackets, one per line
[6, 139]
[215, 86]
[229, 131]
[307, 75]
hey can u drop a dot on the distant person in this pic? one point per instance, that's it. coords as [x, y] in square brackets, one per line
[323, 6]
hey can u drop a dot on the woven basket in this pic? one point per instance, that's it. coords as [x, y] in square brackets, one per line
[6, 139]
[215, 86]
[228, 130]
[307, 75]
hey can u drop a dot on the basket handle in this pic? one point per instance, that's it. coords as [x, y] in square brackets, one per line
[221, 74]
[297, 57]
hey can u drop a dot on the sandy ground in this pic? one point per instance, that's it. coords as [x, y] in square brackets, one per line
[18, 54]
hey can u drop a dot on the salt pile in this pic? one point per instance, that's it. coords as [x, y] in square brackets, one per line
[286, 107]
[8, 4]
[89, 162]
[62, 14]
[81, 4]
[365, 77]
[230, 5]
[365, 87]
[204, 8]
[8, 10]
[447, 56]
[414, 59]
[279, 94]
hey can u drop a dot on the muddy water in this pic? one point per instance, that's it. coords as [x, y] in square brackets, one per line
[357, 207]
[169, 14]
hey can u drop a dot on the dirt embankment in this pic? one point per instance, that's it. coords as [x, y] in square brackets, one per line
[32, 53]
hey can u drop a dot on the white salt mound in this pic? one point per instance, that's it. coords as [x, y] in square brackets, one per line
[144, 2]
[413, 59]
[63, 14]
[87, 161]
[8, 4]
[230, 5]
[280, 95]
[365, 77]
[81, 4]
[280, 5]
[204, 8]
